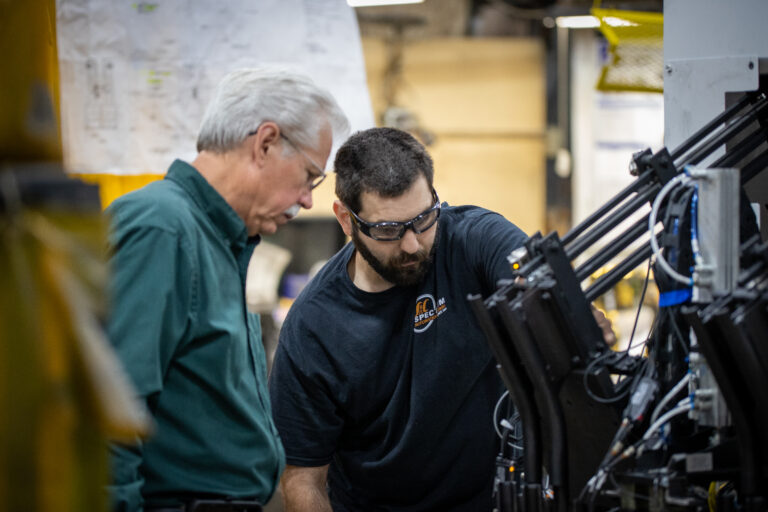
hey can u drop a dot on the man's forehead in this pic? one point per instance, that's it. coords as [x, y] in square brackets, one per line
[414, 200]
[321, 153]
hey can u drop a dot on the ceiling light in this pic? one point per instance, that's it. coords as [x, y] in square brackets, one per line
[368, 3]
[577, 22]
[619, 22]
[591, 22]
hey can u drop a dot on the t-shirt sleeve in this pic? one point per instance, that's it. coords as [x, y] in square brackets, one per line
[490, 238]
[305, 396]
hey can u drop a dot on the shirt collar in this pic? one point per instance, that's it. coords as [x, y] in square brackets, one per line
[215, 207]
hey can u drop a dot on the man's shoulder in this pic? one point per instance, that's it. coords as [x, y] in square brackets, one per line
[467, 211]
[326, 288]
[324, 296]
[470, 218]
[159, 196]
[161, 204]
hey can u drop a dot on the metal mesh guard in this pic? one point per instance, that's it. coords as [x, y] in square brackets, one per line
[636, 45]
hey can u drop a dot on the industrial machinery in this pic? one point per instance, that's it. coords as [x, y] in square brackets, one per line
[683, 423]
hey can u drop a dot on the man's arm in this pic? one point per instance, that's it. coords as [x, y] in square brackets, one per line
[605, 325]
[304, 489]
[125, 490]
[148, 318]
[491, 242]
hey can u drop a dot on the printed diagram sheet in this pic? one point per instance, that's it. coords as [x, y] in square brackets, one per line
[136, 76]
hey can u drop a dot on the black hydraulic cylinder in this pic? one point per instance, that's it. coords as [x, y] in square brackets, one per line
[612, 249]
[617, 218]
[730, 131]
[519, 387]
[741, 150]
[507, 497]
[750, 326]
[607, 207]
[755, 167]
[609, 280]
[532, 500]
[726, 372]
[528, 351]
[710, 126]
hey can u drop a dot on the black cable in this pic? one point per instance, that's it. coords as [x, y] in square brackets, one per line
[512, 416]
[592, 498]
[679, 335]
[640, 305]
[625, 387]
[601, 400]
[606, 469]
[504, 441]
[622, 390]
[654, 327]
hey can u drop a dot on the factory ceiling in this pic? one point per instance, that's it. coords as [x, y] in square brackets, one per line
[480, 18]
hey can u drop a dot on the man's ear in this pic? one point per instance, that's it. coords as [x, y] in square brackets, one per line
[266, 138]
[343, 216]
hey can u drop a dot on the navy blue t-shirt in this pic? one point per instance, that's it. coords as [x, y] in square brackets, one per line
[396, 389]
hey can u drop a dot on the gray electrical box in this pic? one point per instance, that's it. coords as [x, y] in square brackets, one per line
[717, 263]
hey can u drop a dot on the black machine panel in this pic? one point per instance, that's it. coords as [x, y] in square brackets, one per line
[683, 425]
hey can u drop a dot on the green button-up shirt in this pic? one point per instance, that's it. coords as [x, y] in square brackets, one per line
[180, 326]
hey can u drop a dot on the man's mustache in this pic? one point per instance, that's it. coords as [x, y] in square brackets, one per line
[410, 258]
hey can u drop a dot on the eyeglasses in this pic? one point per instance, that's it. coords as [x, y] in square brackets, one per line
[314, 179]
[391, 231]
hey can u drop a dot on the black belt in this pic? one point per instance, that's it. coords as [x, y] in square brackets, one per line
[206, 505]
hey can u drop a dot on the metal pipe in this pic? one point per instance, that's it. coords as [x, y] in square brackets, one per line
[612, 249]
[709, 127]
[718, 139]
[617, 218]
[610, 205]
[609, 280]
[754, 167]
[676, 155]
[741, 150]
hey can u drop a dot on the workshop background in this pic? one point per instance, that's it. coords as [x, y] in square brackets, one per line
[523, 104]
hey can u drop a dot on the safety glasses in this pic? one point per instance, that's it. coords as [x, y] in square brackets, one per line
[390, 231]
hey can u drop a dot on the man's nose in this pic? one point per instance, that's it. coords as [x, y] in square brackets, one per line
[305, 199]
[410, 242]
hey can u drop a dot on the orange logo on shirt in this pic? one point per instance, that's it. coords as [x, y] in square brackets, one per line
[421, 306]
[427, 311]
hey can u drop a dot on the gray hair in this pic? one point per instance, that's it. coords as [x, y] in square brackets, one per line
[245, 98]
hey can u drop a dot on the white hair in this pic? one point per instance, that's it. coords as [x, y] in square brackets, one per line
[245, 98]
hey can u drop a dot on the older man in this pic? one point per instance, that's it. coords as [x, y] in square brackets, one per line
[179, 321]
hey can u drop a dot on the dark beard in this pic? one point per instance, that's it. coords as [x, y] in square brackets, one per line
[393, 271]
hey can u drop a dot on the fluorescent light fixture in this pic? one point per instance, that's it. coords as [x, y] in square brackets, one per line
[618, 22]
[591, 22]
[577, 22]
[368, 3]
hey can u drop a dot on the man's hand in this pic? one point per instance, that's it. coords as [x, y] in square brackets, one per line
[304, 489]
[605, 325]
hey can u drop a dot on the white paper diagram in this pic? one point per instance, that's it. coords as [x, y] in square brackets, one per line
[136, 76]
